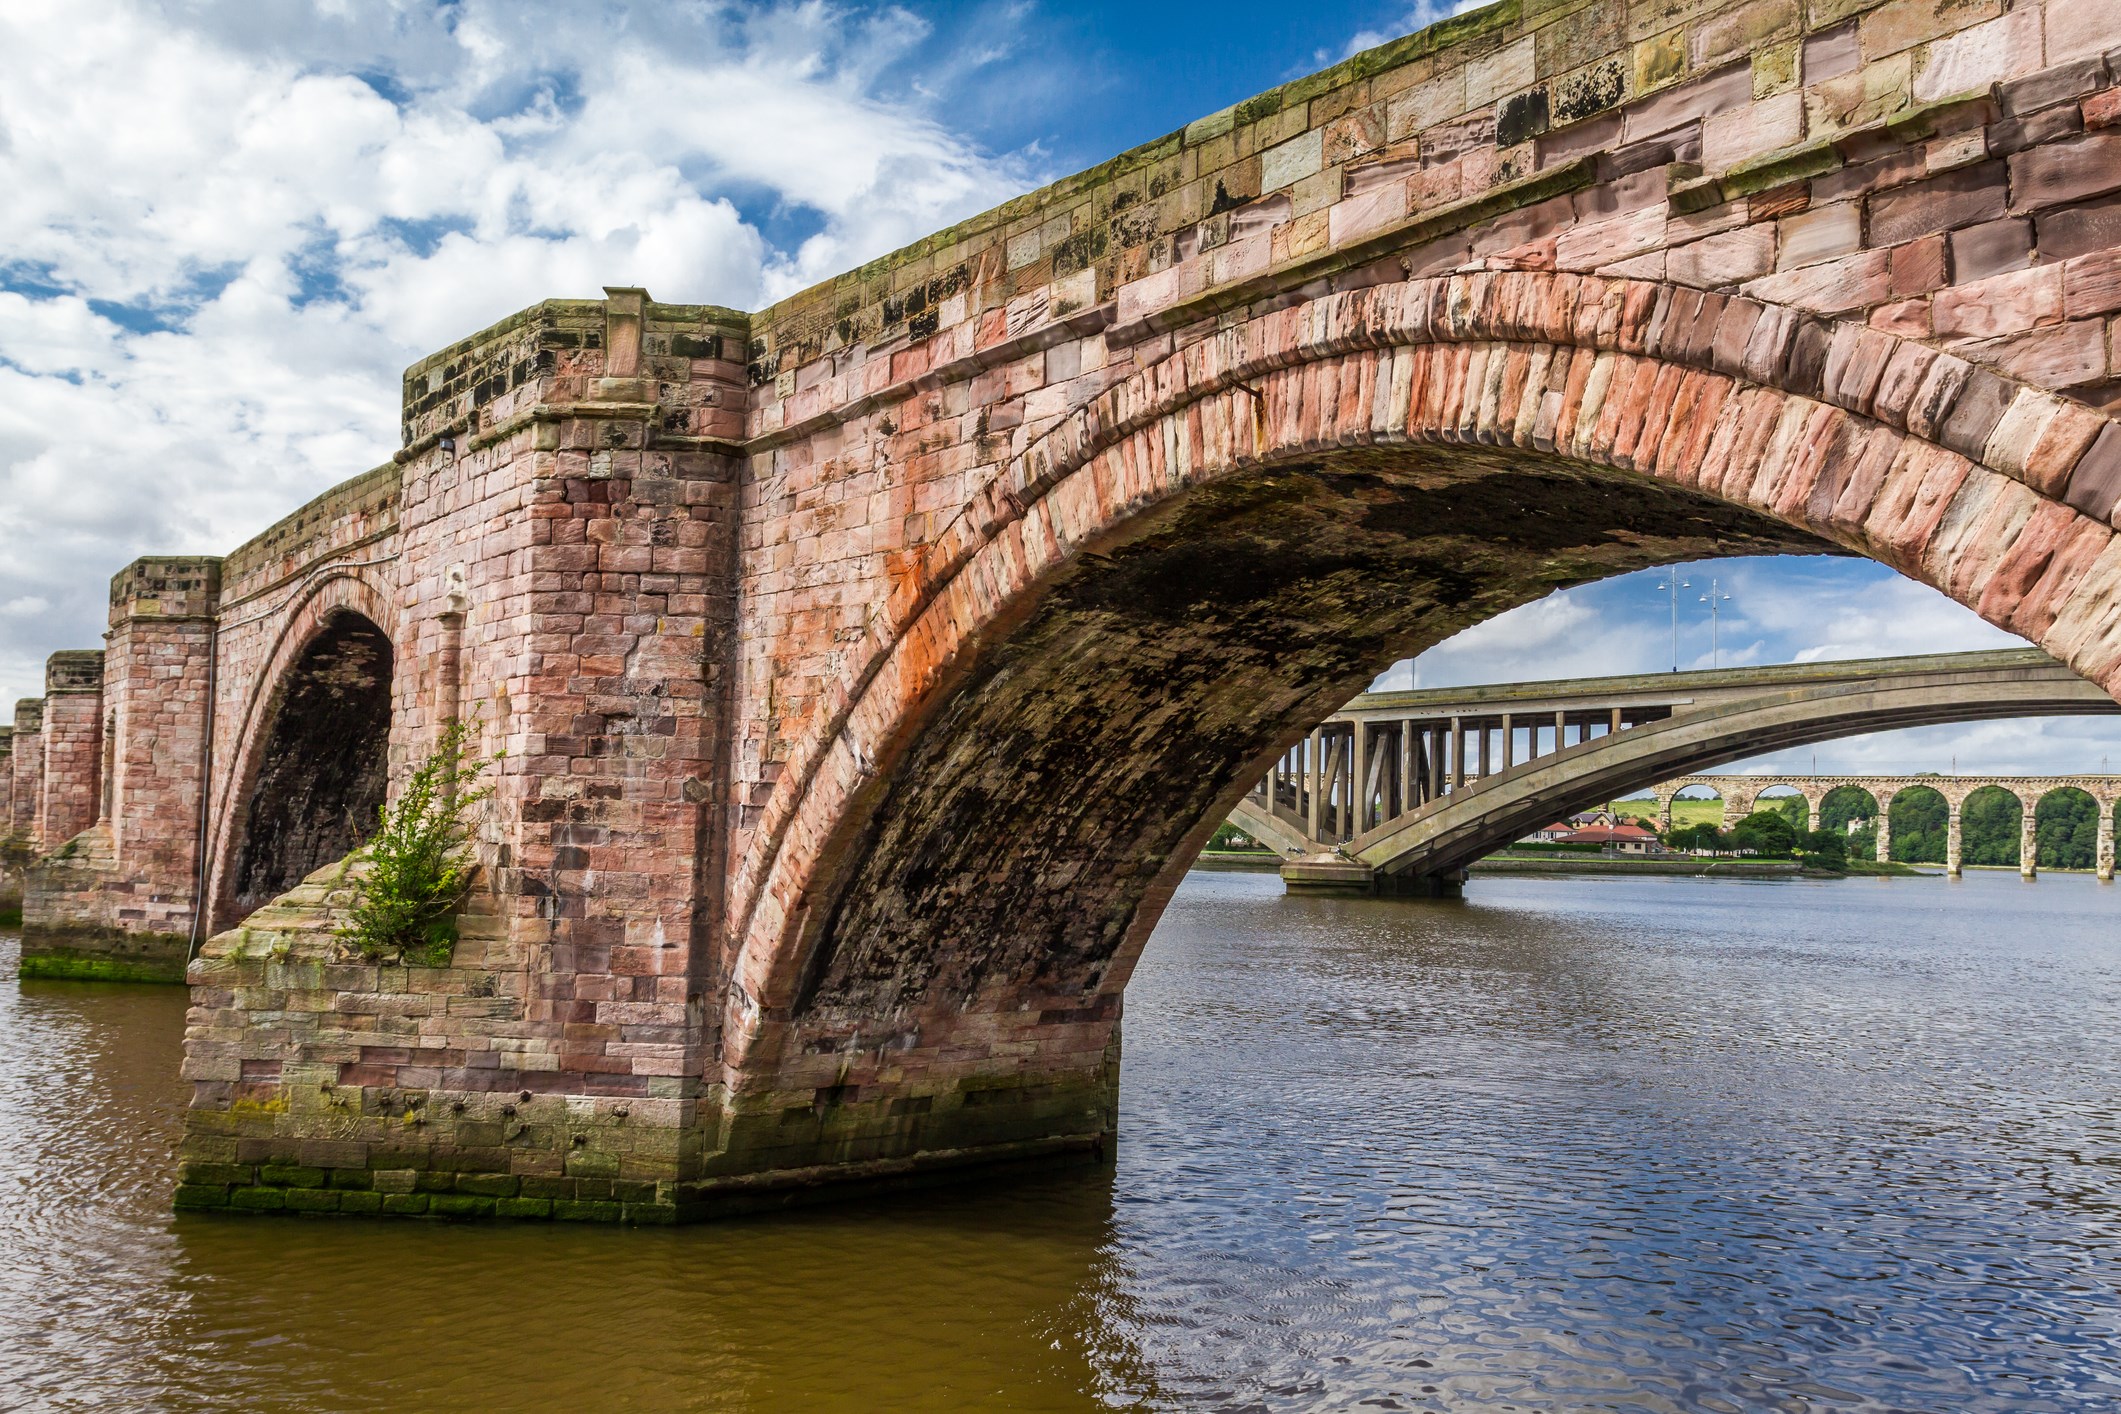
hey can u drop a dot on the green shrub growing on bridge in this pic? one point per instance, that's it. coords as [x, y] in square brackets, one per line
[419, 868]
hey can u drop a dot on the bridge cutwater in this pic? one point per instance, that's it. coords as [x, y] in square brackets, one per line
[870, 666]
[1399, 791]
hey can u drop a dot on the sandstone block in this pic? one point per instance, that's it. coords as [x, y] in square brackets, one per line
[2001, 304]
[1820, 233]
[2069, 170]
[2005, 48]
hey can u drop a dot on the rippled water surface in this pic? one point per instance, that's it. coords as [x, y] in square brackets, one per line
[1573, 1145]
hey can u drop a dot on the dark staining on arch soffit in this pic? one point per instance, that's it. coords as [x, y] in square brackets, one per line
[1017, 834]
[325, 767]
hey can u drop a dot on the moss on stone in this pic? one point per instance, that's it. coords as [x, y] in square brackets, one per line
[199, 1197]
[73, 967]
[312, 1200]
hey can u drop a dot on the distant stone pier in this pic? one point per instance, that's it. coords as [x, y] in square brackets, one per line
[868, 667]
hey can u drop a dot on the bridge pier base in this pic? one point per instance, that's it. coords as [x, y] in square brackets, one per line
[1333, 874]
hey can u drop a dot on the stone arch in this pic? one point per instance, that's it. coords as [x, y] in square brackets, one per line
[311, 759]
[1752, 424]
[1846, 793]
[1907, 840]
[2071, 843]
[1988, 802]
[1791, 790]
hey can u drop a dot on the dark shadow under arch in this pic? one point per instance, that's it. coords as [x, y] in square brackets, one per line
[1031, 815]
[324, 766]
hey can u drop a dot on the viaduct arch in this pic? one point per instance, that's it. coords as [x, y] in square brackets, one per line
[820, 639]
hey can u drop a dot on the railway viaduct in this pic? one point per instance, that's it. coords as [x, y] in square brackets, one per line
[1740, 794]
[869, 667]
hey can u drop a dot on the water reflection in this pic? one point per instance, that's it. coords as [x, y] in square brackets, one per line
[1595, 1144]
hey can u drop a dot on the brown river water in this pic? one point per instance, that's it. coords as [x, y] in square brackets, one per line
[1586, 1144]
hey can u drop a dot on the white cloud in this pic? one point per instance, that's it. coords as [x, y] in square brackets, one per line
[231, 226]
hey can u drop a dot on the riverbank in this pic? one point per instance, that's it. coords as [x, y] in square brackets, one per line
[1262, 862]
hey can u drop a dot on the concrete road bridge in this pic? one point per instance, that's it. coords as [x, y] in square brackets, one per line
[870, 666]
[1740, 795]
[1399, 791]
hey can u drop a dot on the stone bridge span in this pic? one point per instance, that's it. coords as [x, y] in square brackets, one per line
[1742, 794]
[1399, 791]
[869, 666]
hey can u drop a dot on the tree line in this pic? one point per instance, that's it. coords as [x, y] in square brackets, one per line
[2065, 827]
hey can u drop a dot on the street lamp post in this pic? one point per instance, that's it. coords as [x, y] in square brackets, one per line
[1715, 599]
[1672, 585]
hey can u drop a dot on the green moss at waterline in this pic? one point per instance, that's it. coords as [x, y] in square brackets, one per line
[73, 967]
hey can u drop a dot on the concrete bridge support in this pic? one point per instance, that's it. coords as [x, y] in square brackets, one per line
[1951, 837]
[2028, 841]
[2104, 858]
[1885, 831]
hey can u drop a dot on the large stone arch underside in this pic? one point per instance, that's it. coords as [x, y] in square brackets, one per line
[1088, 745]
[1158, 595]
[323, 766]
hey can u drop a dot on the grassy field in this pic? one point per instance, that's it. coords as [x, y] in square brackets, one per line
[1684, 811]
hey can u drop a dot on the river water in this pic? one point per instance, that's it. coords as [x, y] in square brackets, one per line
[1587, 1144]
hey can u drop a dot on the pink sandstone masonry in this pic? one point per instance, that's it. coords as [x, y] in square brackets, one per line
[868, 667]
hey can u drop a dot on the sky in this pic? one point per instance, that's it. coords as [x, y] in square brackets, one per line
[230, 224]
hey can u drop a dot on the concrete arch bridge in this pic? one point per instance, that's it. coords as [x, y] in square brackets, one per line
[869, 667]
[1399, 791]
[1742, 794]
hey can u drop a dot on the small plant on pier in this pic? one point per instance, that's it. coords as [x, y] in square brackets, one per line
[419, 863]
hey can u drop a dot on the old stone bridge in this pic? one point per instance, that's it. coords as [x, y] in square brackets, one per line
[1398, 792]
[870, 666]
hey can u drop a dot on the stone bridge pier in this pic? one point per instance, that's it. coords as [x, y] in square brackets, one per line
[870, 667]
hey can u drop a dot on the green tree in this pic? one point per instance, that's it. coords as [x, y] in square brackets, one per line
[1702, 836]
[2066, 830]
[1918, 821]
[419, 867]
[1793, 809]
[1827, 848]
[1846, 804]
[1766, 832]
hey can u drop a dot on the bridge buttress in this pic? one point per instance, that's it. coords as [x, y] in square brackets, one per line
[26, 772]
[119, 899]
[556, 559]
[68, 802]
